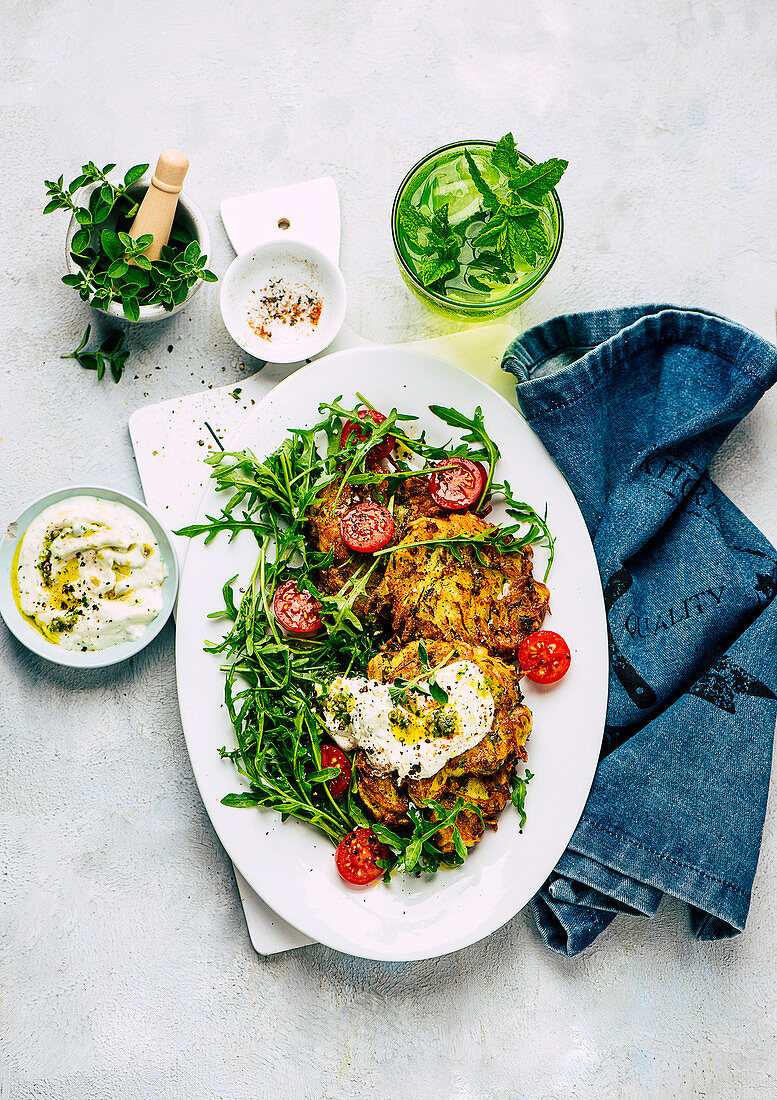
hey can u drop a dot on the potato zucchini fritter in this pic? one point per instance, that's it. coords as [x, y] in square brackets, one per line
[481, 775]
[431, 594]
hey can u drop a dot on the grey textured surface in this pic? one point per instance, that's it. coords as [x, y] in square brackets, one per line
[126, 970]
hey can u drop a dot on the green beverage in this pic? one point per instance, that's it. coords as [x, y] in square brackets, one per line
[477, 226]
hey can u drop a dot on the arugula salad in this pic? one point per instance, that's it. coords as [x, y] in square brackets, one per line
[292, 632]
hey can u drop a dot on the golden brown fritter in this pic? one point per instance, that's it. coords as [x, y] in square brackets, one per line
[431, 594]
[412, 501]
[489, 793]
[379, 793]
[481, 775]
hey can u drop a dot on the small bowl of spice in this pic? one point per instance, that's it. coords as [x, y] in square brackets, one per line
[283, 301]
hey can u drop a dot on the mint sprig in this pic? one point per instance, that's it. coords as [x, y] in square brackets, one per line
[512, 232]
[436, 237]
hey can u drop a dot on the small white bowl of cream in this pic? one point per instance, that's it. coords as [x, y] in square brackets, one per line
[88, 577]
[283, 301]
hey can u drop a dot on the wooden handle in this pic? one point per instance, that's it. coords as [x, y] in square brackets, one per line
[157, 210]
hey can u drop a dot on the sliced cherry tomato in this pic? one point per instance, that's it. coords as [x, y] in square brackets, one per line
[382, 448]
[544, 656]
[333, 757]
[356, 857]
[458, 487]
[367, 527]
[297, 611]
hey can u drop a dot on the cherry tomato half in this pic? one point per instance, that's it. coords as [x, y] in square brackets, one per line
[296, 611]
[367, 527]
[356, 857]
[458, 487]
[544, 656]
[334, 757]
[382, 448]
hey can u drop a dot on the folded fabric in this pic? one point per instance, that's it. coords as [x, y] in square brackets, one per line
[632, 404]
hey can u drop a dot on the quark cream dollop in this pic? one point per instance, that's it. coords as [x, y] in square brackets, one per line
[89, 573]
[414, 738]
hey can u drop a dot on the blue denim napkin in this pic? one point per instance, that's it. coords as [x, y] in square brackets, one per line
[632, 404]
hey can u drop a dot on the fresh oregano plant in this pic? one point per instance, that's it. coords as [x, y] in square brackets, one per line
[112, 265]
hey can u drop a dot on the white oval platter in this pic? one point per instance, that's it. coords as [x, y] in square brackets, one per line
[289, 864]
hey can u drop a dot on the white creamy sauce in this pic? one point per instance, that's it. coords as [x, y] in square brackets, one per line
[90, 573]
[416, 739]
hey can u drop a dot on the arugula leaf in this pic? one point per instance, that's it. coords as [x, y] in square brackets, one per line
[518, 794]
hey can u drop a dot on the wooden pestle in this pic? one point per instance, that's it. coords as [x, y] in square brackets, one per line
[157, 209]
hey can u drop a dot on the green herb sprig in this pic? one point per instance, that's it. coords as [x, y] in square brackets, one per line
[425, 683]
[436, 237]
[505, 232]
[111, 353]
[518, 795]
[514, 229]
[113, 267]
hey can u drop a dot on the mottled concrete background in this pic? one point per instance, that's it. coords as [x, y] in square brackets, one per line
[126, 970]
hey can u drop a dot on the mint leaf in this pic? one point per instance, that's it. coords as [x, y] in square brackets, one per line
[431, 271]
[538, 237]
[518, 245]
[492, 265]
[493, 234]
[490, 198]
[411, 217]
[521, 210]
[507, 234]
[533, 184]
[440, 225]
[505, 156]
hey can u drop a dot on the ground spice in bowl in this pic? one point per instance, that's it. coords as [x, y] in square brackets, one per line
[280, 302]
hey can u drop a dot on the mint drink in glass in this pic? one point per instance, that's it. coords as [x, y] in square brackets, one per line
[477, 226]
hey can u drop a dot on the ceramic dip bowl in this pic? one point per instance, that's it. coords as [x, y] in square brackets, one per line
[25, 628]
